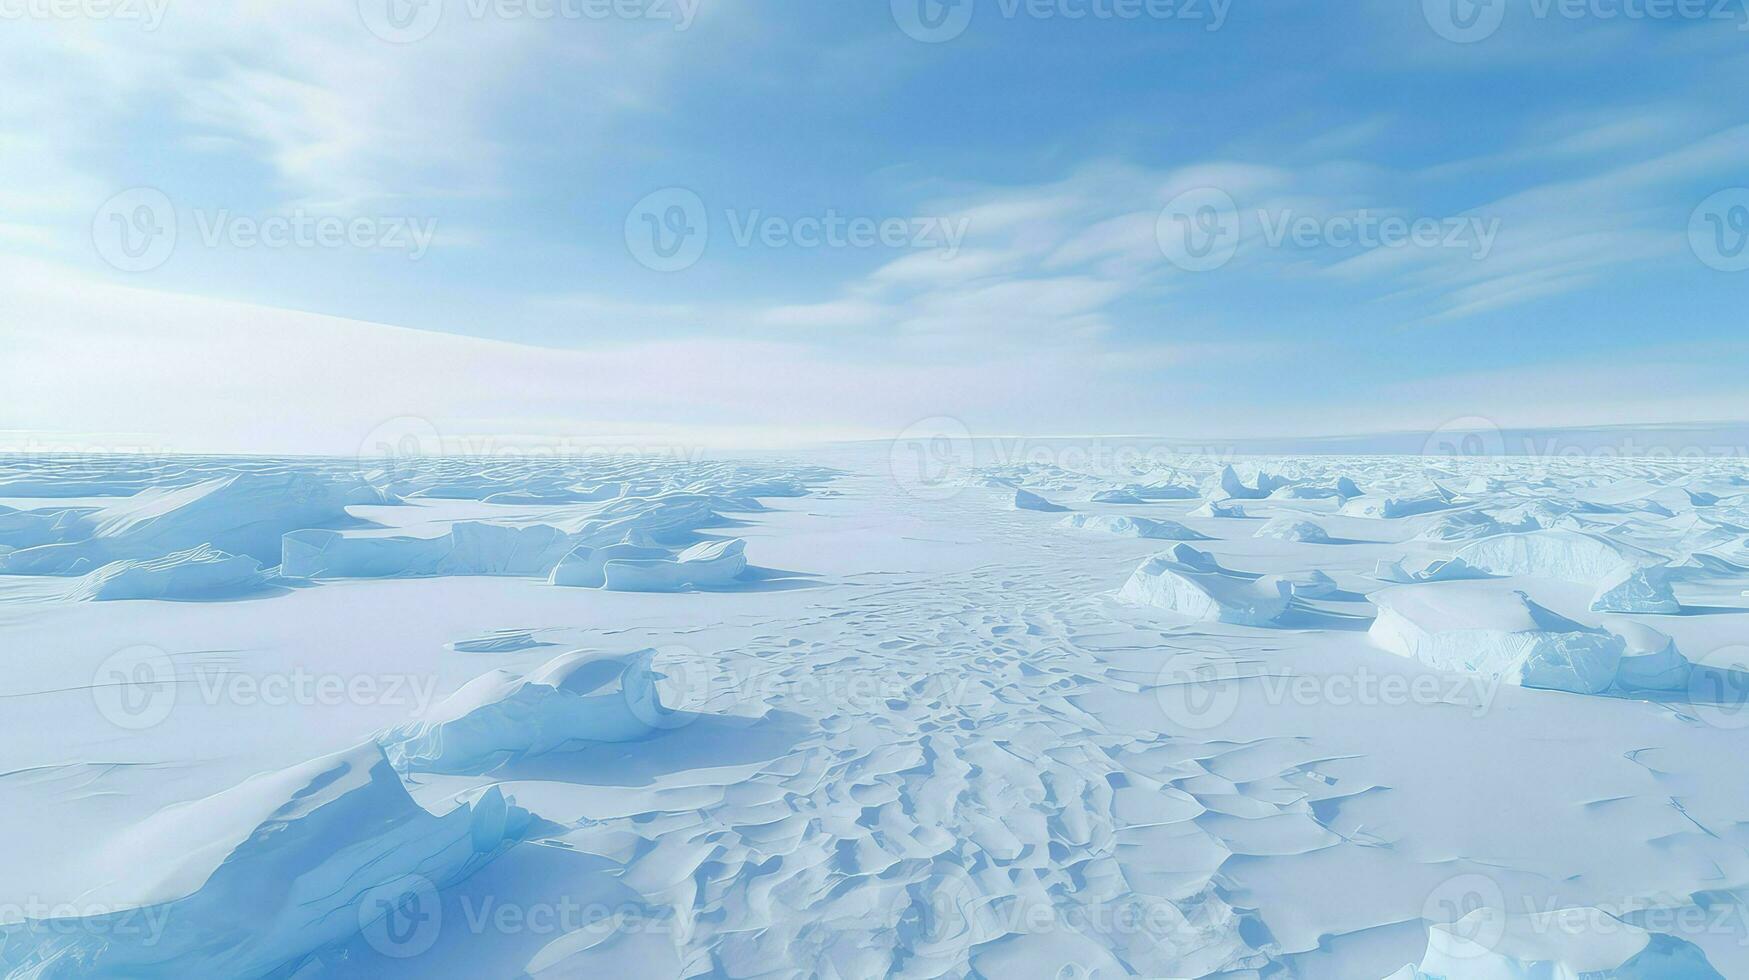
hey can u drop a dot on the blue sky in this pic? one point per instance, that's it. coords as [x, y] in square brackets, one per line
[1560, 156]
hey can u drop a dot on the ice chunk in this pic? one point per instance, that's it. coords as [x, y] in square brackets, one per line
[30, 528]
[244, 514]
[1190, 583]
[330, 554]
[1630, 589]
[1027, 500]
[1571, 556]
[1395, 507]
[583, 568]
[582, 696]
[481, 548]
[1434, 570]
[1144, 494]
[1574, 942]
[1165, 491]
[707, 565]
[1219, 508]
[250, 881]
[1293, 529]
[1312, 584]
[202, 573]
[1650, 661]
[1132, 527]
[500, 641]
[1481, 629]
[1229, 486]
[1467, 525]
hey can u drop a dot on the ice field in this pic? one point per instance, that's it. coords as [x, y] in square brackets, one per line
[875, 710]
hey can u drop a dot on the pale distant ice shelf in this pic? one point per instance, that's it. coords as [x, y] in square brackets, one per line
[812, 716]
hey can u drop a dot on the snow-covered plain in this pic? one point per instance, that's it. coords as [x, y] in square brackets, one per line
[860, 712]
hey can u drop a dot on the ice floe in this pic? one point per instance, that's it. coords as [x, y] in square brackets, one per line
[250, 881]
[245, 514]
[1293, 529]
[706, 565]
[1475, 628]
[582, 696]
[202, 573]
[1219, 508]
[1191, 583]
[1027, 500]
[1572, 556]
[1650, 660]
[1132, 527]
[1632, 589]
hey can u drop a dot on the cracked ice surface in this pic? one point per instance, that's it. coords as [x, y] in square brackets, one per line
[806, 717]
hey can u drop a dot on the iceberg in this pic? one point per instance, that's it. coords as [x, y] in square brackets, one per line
[468, 548]
[580, 697]
[1631, 589]
[1230, 487]
[244, 514]
[585, 567]
[315, 554]
[1149, 493]
[1390, 508]
[1132, 527]
[1466, 525]
[250, 881]
[1571, 556]
[1027, 500]
[706, 565]
[1293, 529]
[1219, 508]
[1190, 583]
[1433, 570]
[1477, 628]
[1650, 661]
[202, 573]
[1311, 584]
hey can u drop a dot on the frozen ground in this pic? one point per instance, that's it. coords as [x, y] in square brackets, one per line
[864, 712]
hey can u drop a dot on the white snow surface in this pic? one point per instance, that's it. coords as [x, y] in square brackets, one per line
[804, 715]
